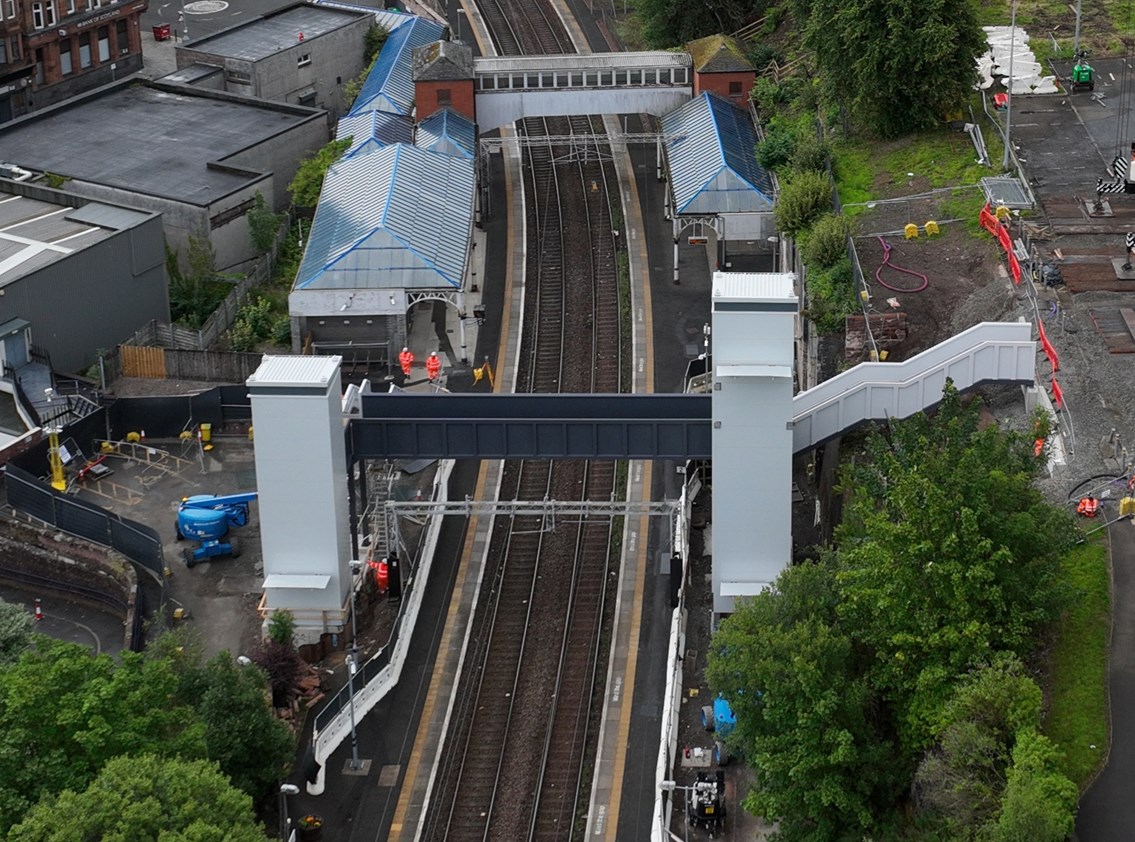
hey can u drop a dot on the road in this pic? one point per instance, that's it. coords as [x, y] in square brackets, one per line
[206, 17]
[71, 621]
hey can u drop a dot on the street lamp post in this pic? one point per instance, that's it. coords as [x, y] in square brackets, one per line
[460, 14]
[285, 822]
[354, 765]
[1009, 99]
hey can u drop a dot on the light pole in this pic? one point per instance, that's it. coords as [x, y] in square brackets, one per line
[354, 766]
[54, 455]
[1076, 37]
[285, 822]
[460, 14]
[1009, 99]
[774, 240]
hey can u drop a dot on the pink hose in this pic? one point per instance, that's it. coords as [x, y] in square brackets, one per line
[886, 264]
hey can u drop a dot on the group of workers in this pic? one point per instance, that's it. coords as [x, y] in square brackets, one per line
[433, 364]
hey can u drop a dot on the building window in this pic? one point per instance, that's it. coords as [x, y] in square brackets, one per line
[70, 7]
[239, 76]
[123, 38]
[444, 97]
[49, 12]
[15, 48]
[11, 9]
[85, 50]
[104, 44]
[37, 15]
[734, 89]
[3, 52]
[39, 66]
[304, 60]
[66, 66]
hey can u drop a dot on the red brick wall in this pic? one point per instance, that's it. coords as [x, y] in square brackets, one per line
[460, 98]
[718, 83]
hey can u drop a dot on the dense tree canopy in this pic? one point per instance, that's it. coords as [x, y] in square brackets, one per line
[64, 714]
[15, 631]
[146, 799]
[898, 66]
[848, 676]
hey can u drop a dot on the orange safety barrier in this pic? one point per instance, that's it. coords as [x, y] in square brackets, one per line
[1057, 394]
[998, 229]
[1049, 351]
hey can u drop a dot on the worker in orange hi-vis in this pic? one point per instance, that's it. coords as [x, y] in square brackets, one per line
[433, 366]
[406, 359]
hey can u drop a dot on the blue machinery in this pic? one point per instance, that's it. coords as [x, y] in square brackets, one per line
[207, 519]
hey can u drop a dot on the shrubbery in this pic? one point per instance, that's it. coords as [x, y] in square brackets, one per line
[804, 197]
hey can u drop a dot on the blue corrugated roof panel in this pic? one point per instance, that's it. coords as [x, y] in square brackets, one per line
[448, 133]
[390, 84]
[713, 164]
[388, 19]
[396, 217]
[381, 127]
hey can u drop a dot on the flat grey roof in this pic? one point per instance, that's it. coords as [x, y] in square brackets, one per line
[265, 36]
[34, 233]
[148, 140]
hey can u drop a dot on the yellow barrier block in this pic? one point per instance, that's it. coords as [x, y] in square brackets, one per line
[931, 228]
[864, 296]
[911, 231]
[883, 356]
[1127, 506]
[135, 437]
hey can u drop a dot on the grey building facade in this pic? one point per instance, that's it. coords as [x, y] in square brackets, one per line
[83, 275]
[301, 55]
[197, 157]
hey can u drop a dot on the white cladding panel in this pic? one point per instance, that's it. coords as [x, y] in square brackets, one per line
[302, 482]
[752, 440]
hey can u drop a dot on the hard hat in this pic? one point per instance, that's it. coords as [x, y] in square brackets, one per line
[404, 350]
[433, 353]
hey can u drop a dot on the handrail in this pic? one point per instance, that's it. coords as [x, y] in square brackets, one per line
[991, 351]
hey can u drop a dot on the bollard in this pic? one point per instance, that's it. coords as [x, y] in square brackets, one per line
[39, 609]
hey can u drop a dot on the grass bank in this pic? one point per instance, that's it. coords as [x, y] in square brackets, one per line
[1076, 680]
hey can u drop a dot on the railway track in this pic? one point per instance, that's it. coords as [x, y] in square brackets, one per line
[524, 724]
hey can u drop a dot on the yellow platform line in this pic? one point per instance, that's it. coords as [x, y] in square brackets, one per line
[414, 769]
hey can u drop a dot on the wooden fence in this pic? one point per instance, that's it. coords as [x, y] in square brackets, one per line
[181, 364]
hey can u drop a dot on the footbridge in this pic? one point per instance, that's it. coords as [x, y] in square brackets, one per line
[507, 89]
[578, 426]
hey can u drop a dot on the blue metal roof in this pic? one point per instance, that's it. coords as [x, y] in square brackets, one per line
[388, 19]
[378, 127]
[448, 133]
[390, 84]
[397, 217]
[713, 163]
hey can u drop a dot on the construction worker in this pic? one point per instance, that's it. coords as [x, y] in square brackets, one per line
[433, 366]
[1088, 507]
[406, 360]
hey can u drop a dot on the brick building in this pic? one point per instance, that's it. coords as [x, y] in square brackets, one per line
[721, 67]
[443, 78]
[51, 50]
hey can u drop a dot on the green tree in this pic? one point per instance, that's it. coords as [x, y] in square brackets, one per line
[1040, 802]
[804, 197]
[947, 555]
[263, 224]
[372, 42]
[78, 711]
[962, 779]
[807, 720]
[308, 181]
[826, 241]
[146, 798]
[194, 292]
[912, 63]
[15, 631]
[252, 747]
